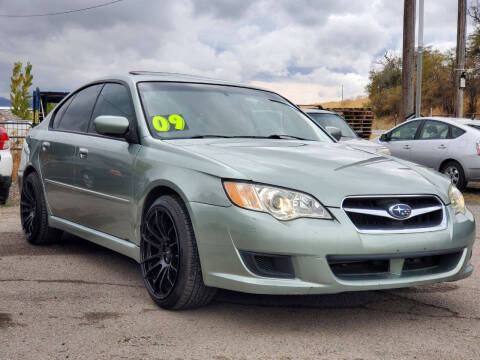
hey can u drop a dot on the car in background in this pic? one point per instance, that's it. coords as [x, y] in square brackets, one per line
[339, 129]
[449, 145]
[6, 165]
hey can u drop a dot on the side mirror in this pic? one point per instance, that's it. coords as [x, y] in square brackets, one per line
[385, 137]
[111, 125]
[335, 132]
[359, 133]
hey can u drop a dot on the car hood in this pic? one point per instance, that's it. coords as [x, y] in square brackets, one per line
[361, 143]
[329, 171]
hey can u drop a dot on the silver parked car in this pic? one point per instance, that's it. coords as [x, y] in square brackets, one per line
[339, 129]
[449, 145]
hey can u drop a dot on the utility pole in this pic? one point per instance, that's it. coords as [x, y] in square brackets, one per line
[408, 59]
[460, 63]
[418, 101]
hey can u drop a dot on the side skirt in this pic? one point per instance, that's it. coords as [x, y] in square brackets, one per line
[111, 242]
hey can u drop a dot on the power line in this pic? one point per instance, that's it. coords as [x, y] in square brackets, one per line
[60, 12]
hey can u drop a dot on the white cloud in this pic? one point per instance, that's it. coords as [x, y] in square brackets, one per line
[305, 49]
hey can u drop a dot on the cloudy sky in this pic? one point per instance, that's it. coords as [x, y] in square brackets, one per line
[304, 49]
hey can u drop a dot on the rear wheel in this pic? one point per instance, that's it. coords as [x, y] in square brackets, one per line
[455, 171]
[34, 215]
[169, 258]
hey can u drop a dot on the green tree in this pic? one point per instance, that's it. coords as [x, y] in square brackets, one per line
[19, 89]
[384, 88]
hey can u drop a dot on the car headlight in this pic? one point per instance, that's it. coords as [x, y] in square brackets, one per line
[456, 199]
[385, 151]
[282, 204]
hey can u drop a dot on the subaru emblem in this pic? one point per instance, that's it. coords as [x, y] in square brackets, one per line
[400, 211]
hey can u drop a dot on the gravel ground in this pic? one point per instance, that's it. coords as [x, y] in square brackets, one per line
[76, 300]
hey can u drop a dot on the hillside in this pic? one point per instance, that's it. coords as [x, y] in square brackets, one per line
[352, 103]
[4, 101]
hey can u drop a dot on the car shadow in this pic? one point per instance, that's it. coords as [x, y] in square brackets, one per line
[262, 311]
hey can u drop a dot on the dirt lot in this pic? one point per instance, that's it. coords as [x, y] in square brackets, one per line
[76, 300]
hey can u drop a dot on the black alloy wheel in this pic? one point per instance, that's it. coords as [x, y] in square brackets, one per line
[169, 259]
[28, 209]
[34, 214]
[160, 253]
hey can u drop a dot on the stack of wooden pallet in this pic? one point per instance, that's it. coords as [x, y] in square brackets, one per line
[360, 119]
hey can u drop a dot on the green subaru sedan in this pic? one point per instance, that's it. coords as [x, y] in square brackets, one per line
[211, 184]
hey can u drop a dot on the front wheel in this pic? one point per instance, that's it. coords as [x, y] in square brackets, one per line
[169, 259]
[455, 171]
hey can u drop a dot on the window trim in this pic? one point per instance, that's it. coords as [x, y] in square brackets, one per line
[133, 124]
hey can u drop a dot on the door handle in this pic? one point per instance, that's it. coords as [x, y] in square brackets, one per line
[45, 145]
[83, 153]
[407, 147]
[442, 147]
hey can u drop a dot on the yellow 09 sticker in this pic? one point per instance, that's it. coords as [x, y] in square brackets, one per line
[172, 122]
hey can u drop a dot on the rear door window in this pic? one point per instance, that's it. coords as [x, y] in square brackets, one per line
[61, 111]
[434, 130]
[77, 115]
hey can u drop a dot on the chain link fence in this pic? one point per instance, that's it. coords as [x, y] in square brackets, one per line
[17, 132]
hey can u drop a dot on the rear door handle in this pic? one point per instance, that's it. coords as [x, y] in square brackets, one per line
[83, 153]
[442, 147]
[45, 145]
[407, 147]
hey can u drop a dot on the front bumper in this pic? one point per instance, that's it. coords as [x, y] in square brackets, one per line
[222, 232]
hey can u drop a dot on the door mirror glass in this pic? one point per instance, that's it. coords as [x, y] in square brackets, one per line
[111, 125]
[335, 132]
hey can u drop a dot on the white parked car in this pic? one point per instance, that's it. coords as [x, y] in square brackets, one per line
[6, 165]
[449, 145]
[339, 129]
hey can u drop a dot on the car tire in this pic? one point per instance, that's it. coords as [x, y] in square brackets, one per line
[455, 171]
[4, 192]
[169, 259]
[34, 215]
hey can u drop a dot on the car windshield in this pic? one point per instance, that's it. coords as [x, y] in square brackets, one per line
[185, 110]
[334, 120]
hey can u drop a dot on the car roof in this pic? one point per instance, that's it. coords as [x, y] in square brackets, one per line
[460, 122]
[141, 76]
[318, 111]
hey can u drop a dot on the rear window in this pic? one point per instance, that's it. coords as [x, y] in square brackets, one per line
[474, 126]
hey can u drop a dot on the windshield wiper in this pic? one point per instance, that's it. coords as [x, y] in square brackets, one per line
[285, 136]
[208, 136]
[273, 136]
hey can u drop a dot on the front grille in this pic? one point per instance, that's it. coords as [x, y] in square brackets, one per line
[377, 267]
[371, 214]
